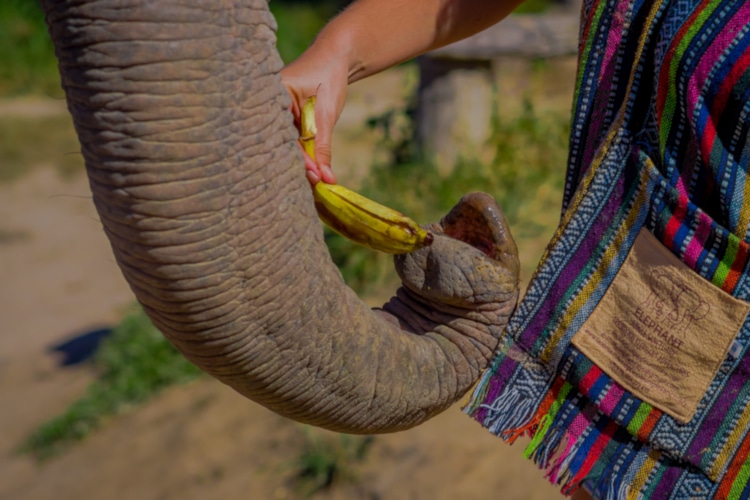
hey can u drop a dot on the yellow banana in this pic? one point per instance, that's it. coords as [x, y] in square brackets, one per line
[366, 222]
[355, 217]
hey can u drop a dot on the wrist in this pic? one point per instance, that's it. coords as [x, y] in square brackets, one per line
[336, 46]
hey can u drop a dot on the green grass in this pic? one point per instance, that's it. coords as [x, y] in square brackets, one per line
[134, 363]
[327, 459]
[19, 146]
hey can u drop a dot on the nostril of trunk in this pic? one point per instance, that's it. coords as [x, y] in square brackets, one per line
[478, 220]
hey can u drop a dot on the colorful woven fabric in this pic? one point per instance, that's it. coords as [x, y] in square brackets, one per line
[660, 140]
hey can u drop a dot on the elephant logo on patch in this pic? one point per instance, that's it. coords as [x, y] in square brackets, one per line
[673, 303]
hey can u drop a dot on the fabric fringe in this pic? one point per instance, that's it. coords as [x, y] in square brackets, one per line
[510, 418]
[567, 440]
[617, 488]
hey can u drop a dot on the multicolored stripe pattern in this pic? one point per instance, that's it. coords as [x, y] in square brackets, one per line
[660, 139]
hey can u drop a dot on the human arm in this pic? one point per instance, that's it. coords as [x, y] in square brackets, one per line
[368, 37]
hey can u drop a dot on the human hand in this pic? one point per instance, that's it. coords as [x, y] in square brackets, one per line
[316, 73]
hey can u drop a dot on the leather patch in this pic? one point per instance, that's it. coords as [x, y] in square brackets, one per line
[661, 330]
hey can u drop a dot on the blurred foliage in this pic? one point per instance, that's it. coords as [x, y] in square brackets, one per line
[534, 6]
[327, 459]
[20, 136]
[299, 22]
[28, 64]
[134, 363]
[525, 177]
[27, 60]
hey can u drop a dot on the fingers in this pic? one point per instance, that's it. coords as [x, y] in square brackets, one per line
[326, 78]
[312, 170]
[312, 177]
[327, 110]
[319, 169]
[316, 172]
[323, 148]
[327, 175]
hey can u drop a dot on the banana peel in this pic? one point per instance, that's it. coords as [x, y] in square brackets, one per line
[354, 216]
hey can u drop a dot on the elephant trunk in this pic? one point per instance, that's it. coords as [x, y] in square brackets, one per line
[193, 164]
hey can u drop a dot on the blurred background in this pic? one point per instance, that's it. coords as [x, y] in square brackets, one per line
[95, 404]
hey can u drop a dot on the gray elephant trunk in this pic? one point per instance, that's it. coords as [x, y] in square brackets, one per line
[200, 187]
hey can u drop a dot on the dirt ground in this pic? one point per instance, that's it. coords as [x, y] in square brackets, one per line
[58, 281]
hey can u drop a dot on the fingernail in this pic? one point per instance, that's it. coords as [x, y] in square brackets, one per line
[327, 170]
[312, 177]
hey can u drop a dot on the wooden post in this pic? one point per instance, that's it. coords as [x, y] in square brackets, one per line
[454, 109]
[456, 92]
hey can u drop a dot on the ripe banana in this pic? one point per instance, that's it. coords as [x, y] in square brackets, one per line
[355, 217]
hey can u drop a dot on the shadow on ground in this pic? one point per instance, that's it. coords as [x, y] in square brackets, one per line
[79, 347]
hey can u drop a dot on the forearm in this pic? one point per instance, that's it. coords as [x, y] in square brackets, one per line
[373, 35]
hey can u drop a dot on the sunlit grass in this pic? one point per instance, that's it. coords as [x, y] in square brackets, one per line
[327, 459]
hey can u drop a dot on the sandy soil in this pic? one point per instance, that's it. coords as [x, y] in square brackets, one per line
[58, 281]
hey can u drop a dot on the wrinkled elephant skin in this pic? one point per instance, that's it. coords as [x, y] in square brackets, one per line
[193, 164]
